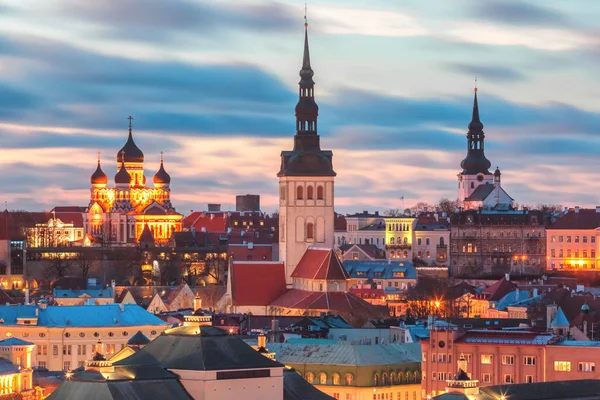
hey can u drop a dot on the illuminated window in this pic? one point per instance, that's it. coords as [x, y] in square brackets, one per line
[486, 358]
[469, 248]
[568, 253]
[310, 377]
[309, 192]
[300, 193]
[568, 239]
[562, 366]
[349, 379]
[323, 378]
[335, 378]
[320, 195]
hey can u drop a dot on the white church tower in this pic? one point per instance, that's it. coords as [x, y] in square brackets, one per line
[306, 181]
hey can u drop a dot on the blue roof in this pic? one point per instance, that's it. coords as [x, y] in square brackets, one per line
[75, 316]
[75, 293]
[13, 341]
[384, 269]
[559, 319]
[516, 296]
[581, 343]
[418, 332]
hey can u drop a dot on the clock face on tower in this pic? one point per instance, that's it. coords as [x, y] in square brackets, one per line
[480, 178]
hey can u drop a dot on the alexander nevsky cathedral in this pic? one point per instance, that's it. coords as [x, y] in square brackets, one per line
[119, 215]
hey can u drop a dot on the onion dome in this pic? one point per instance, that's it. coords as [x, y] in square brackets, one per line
[99, 177]
[133, 154]
[497, 172]
[162, 177]
[123, 176]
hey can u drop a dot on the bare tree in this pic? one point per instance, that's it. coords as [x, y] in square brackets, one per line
[392, 212]
[59, 266]
[84, 262]
[448, 206]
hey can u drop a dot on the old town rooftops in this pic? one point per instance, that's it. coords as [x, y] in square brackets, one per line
[79, 316]
[320, 263]
[578, 218]
[347, 354]
[508, 336]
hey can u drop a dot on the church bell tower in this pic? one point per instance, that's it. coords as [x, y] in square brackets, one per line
[306, 180]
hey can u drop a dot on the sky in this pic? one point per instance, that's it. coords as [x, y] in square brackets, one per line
[213, 84]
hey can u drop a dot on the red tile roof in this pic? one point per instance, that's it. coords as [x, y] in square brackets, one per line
[320, 264]
[339, 302]
[211, 222]
[584, 219]
[499, 289]
[75, 218]
[256, 283]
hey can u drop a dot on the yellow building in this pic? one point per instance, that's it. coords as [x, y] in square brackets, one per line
[399, 237]
[118, 215]
[16, 369]
[65, 337]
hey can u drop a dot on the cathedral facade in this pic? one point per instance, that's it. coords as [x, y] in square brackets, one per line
[118, 215]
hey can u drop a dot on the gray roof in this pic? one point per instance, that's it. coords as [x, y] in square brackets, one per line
[203, 348]
[347, 354]
[296, 387]
[380, 269]
[76, 293]
[7, 367]
[164, 389]
[75, 316]
[481, 192]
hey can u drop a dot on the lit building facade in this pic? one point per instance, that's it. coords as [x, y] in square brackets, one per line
[497, 357]
[65, 337]
[117, 215]
[572, 240]
[16, 369]
[399, 237]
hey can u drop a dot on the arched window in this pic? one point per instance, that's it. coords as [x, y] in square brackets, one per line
[375, 380]
[309, 193]
[310, 230]
[472, 185]
[405, 241]
[441, 241]
[320, 194]
[310, 377]
[392, 254]
[300, 193]
[383, 379]
[349, 379]
[405, 254]
[400, 378]
[323, 378]
[417, 376]
[408, 377]
[392, 378]
[335, 378]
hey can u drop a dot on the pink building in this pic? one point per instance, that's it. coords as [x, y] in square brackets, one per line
[496, 357]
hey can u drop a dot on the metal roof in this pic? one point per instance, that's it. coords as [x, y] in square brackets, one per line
[384, 269]
[347, 354]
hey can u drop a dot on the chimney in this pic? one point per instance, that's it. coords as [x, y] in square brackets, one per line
[204, 229]
[26, 296]
[507, 276]
[576, 209]
[535, 292]
[377, 213]
[113, 283]
[550, 313]
[585, 328]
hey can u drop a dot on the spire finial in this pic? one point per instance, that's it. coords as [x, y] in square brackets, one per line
[98, 158]
[130, 118]
[305, 15]
[475, 84]
[161, 157]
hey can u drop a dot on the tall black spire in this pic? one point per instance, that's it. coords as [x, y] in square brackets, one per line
[307, 158]
[475, 162]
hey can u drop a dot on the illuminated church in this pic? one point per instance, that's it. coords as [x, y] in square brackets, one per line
[119, 215]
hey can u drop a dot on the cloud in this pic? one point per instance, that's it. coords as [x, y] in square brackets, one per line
[519, 13]
[492, 73]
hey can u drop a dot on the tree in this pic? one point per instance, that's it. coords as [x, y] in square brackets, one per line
[448, 206]
[84, 262]
[59, 266]
[392, 212]
[420, 207]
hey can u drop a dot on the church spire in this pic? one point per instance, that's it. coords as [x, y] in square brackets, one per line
[475, 162]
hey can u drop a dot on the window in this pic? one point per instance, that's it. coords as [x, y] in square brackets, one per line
[42, 364]
[19, 362]
[309, 193]
[55, 351]
[560, 239]
[375, 380]
[81, 349]
[560, 253]
[442, 358]
[335, 379]
[486, 358]
[469, 358]
[562, 366]
[426, 241]
[508, 378]
[584, 239]
[441, 376]
[586, 366]
[576, 239]
[310, 377]
[424, 356]
[568, 253]
[323, 378]
[310, 230]
[553, 239]
[553, 252]
[593, 254]
[529, 360]
[508, 360]
[486, 378]
[568, 239]
[67, 350]
[593, 239]
[320, 193]
[584, 253]
[336, 396]
[349, 379]
[299, 192]
[419, 241]
[66, 365]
